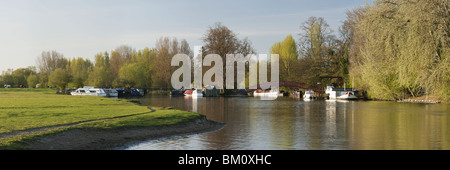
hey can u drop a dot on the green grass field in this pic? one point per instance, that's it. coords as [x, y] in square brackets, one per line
[27, 109]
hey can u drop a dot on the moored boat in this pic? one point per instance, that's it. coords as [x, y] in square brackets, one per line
[89, 91]
[266, 93]
[194, 92]
[197, 93]
[341, 93]
[211, 91]
[79, 92]
[309, 95]
[297, 93]
[130, 92]
[111, 92]
[179, 92]
[347, 96]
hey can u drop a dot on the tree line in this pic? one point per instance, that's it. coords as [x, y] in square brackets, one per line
[124, 66]
[121, 67]
[391, 49]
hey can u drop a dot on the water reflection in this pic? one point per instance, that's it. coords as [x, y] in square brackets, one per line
[401, 126]
[290, 123]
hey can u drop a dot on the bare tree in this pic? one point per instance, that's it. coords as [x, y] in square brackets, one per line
[316, 37]
[50, 61]
[219, 39]
[185, 48]
[124, 52]
[167, 48]
[118, 57]
[245, 47]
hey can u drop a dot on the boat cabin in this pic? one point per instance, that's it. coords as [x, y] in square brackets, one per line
[334, 93]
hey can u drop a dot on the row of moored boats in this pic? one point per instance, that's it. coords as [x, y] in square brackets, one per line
[118, 92]
[334, 94]
[331, 93]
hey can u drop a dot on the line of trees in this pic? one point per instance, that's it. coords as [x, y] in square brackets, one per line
[318, 52]
[392, 49]
[122, 67]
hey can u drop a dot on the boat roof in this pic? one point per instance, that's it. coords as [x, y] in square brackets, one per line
[341, 89]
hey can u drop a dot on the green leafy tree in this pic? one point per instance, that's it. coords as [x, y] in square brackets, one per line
[317, 50]
[60, 78]
[7, 78]
[32, 80]
[287, 50]
[119, 57]
[17, 77]
[352, 43]
[132, 75]
[137, 72]
[79, 69]
[101, 75]
[406, 48]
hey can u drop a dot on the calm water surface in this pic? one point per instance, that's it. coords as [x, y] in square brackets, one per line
[289, 123]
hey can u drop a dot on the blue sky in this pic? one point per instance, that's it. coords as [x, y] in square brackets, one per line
[82, 28]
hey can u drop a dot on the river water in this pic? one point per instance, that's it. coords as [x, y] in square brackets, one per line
[289, 123]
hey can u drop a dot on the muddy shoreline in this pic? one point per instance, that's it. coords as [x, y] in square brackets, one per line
[118, 138]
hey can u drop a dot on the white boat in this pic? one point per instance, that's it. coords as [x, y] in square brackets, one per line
[79, 92]
[197, 93]
[266, 93]
[340, 93]
[89, 91]
[347, 96]
[309, 94]
[97, 92]
[194, 93]
[111, 92]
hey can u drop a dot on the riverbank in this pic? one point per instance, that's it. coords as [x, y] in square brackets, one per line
[423, 99]
[117, 138]
[40, 119]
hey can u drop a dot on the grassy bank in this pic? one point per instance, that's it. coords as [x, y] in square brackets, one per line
[27, 113]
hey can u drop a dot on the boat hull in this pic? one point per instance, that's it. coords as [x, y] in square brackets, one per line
[268, 94]
[113, 94]
[177, 93]
[347, 97]
[309, 97]
[194, 93]
[197, 95]
[89, 92]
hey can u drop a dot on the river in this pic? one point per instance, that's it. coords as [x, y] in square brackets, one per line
[289, 123]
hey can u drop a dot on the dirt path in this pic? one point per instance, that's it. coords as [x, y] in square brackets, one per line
[95, 139]
[43, 129]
